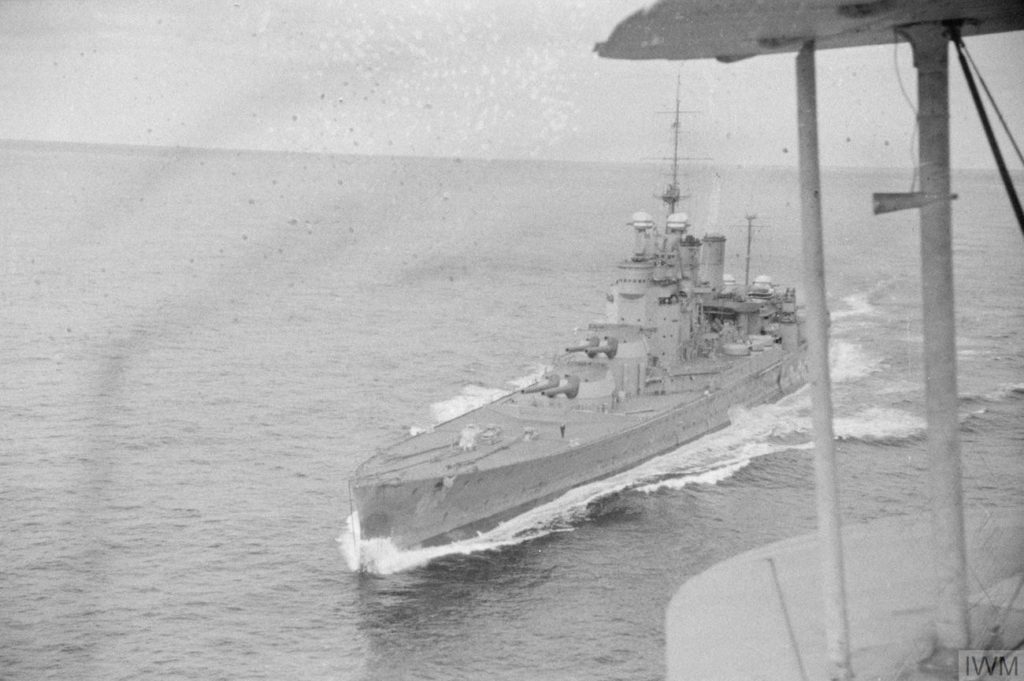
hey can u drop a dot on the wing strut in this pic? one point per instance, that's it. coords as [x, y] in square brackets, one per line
[837, 627]
[931, 58]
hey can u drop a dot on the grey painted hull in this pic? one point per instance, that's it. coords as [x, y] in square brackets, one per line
[432, 508]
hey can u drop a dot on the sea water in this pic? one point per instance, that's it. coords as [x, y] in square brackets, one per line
[199, 347]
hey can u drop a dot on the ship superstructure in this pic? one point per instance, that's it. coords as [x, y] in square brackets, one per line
[679, 346]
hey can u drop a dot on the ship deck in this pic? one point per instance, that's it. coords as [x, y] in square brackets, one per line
[437, 453]
[529, 426]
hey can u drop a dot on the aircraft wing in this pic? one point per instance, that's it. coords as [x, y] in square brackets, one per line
[729, 30]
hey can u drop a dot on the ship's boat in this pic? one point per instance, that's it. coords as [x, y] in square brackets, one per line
[681, 344]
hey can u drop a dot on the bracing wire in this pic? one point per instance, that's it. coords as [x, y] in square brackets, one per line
[1011, 192]
[910, 103]
[991, 99]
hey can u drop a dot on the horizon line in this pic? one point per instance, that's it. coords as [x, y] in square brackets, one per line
[122, 147]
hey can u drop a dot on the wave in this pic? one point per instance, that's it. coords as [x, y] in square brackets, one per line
[880, 425]
[474, 396]
[709, 477]
[860, 304]
[849, 362]
[857, 305]
[349, 541]
[380, 556]
[471, 397]
[1005, 392]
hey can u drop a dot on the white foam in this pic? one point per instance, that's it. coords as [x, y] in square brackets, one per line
[708, 477]
[878, 424]
[1003, 391]
[857, 305]
[473, 396]
[529, 379]
[849, 362]
[380, 556]
[349, 542]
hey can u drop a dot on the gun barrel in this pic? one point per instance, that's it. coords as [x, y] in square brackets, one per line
[609, 348]
[570, 387]
[550, 381]
[591, 343]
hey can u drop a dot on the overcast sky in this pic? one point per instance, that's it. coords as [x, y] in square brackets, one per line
[471, 78]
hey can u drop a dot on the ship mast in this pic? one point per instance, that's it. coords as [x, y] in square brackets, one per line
[672, 194]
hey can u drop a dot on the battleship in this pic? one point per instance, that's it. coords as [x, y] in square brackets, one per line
[680, 345]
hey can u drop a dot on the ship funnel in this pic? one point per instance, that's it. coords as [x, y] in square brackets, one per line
[689, 258]
[714, 260]
[643, 223]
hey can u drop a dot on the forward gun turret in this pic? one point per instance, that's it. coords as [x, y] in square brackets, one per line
[609, 347]
[551, 380]
[591, 343]
[593, 347]
[570, 387]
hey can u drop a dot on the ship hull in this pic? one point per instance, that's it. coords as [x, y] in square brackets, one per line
[438, 509]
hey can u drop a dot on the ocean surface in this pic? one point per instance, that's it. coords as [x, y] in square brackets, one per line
[197, 348]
